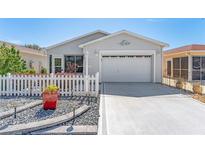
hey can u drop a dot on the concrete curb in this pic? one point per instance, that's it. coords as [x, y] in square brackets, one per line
[102, 128]
[33, 126]
[10, 112]
[100, 117]
[63, 130]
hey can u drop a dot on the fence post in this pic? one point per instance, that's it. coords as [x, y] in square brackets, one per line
[8, 84]
[86, 83]
[97, 83]
[0, 85]
[3, 84]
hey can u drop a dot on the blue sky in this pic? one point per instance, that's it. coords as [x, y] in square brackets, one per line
[45, 32]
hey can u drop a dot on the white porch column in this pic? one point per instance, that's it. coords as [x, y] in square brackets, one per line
[53, 66]
[189, 67]
[86, 70]
[86, 61]
[172, 68]
[154, 67]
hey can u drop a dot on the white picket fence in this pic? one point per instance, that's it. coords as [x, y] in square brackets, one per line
[33, 85]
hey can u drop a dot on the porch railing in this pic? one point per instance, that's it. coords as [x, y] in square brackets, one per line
[188, 86]
[33, 85]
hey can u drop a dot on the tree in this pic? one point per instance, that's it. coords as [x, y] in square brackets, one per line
[10, 60]
[33, 46]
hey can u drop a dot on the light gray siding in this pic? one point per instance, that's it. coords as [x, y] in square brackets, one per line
[113, 43]
[71, 48]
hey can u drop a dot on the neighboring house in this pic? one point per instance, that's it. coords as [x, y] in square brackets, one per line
[187, 62]
[34, 58]
[118, 57]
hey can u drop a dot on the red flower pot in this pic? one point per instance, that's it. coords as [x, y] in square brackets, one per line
[50, 100]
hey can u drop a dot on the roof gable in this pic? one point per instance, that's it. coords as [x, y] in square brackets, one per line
[24, 49]
[191, 47]
[129, 33]
[76, 38]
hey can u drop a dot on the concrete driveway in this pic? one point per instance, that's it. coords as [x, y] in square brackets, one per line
[147, 108]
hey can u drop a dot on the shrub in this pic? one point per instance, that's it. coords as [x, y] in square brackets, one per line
[10, 60]
[31, 71]
[43, 70]
[51, 89]
[33, 46]
[179, 84]
[197, 89]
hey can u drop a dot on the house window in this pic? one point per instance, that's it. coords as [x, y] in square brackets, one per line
[169, 68]
[57, 62]
[198, 68]
[184, 68]
[180, 67]
[74, 64]
[176, 67]
[50, 63]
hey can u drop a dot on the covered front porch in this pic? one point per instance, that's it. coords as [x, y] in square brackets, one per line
[189, 66]
[69, 64]
[66, 64]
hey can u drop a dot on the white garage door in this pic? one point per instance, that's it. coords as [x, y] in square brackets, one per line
[126, 69]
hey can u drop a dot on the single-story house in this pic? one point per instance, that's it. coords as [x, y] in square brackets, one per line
[35, 59]
[118, 57]
[186, 62]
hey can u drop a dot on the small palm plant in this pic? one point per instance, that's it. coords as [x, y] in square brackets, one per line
[51, 89]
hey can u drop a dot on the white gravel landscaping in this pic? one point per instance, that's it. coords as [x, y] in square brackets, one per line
[5, 102]
[64, 106]
[90, 117]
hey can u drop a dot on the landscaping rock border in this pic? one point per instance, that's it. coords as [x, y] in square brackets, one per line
[19, 109]
[33, 126]
[68, 130]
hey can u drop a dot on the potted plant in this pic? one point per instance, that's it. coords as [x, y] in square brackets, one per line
[197, 89]
[50, 97]
[179, 84]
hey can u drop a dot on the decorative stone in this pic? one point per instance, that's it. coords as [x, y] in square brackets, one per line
[33, 126]
[65, 105]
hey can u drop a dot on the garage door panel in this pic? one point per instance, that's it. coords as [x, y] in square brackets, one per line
[126, 69]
